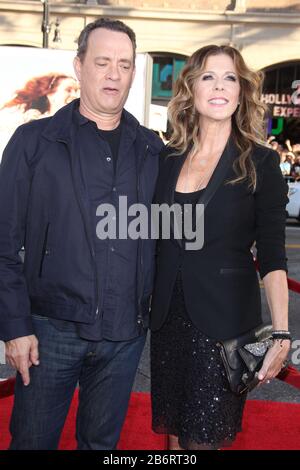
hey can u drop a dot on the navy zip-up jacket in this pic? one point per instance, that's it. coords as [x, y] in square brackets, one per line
[45, 208]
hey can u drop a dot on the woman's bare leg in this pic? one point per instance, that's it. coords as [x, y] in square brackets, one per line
[173, 443]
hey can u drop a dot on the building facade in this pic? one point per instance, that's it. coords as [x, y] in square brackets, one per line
[267, 33]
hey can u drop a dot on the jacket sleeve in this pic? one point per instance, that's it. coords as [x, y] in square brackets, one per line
[271, 198]
[15, 318]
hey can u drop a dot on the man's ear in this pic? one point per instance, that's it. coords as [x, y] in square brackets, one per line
[77, 67]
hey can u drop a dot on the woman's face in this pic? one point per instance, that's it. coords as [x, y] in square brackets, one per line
[217, 89]
[66, 91]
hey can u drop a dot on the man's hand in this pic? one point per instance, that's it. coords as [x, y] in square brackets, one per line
[22, 353]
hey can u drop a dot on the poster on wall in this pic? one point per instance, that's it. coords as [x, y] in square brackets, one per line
[35, 83]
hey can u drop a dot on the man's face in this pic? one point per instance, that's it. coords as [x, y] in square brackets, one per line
[106, 72]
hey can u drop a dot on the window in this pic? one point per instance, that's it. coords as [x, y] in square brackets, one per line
[166, 69]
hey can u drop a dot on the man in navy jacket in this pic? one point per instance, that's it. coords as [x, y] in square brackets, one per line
[77, 310]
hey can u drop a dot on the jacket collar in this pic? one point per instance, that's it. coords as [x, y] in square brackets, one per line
[60, 127]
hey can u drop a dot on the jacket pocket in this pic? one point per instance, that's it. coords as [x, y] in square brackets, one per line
[45, 250]
[39, 317]
[236, 271]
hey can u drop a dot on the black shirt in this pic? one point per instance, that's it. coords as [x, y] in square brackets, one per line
[112, 137]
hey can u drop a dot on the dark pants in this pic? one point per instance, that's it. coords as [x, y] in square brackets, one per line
[105, 371]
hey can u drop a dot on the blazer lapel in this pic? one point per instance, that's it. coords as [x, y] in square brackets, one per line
[229, 154]
[226, 160]
[176, 163]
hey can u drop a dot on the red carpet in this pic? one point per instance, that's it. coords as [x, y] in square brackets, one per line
[267, 425]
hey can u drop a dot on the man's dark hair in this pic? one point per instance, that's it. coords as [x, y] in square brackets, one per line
[106, 23]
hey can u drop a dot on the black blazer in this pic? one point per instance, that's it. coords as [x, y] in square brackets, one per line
[221, 287]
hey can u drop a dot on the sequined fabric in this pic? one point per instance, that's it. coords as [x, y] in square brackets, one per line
[190, 394]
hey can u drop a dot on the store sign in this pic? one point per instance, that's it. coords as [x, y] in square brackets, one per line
[296, 94]
[284, 104]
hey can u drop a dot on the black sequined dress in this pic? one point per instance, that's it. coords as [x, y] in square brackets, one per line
[191, 398]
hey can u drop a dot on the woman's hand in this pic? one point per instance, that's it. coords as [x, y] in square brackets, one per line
[274, 360]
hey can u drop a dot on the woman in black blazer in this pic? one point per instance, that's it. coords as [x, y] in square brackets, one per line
[216, 157]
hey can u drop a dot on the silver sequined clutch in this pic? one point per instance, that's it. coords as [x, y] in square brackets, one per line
[243, 357]
[260, 348]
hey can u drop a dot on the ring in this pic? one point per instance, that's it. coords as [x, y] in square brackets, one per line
[268, 381]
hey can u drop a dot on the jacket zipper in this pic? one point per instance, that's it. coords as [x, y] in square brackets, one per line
[44, 249]
[86, 234]
[140, 315]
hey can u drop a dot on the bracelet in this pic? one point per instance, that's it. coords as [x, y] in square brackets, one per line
[286, 335]
[281, 331]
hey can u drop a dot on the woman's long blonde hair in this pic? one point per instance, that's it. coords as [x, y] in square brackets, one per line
[247, 120]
